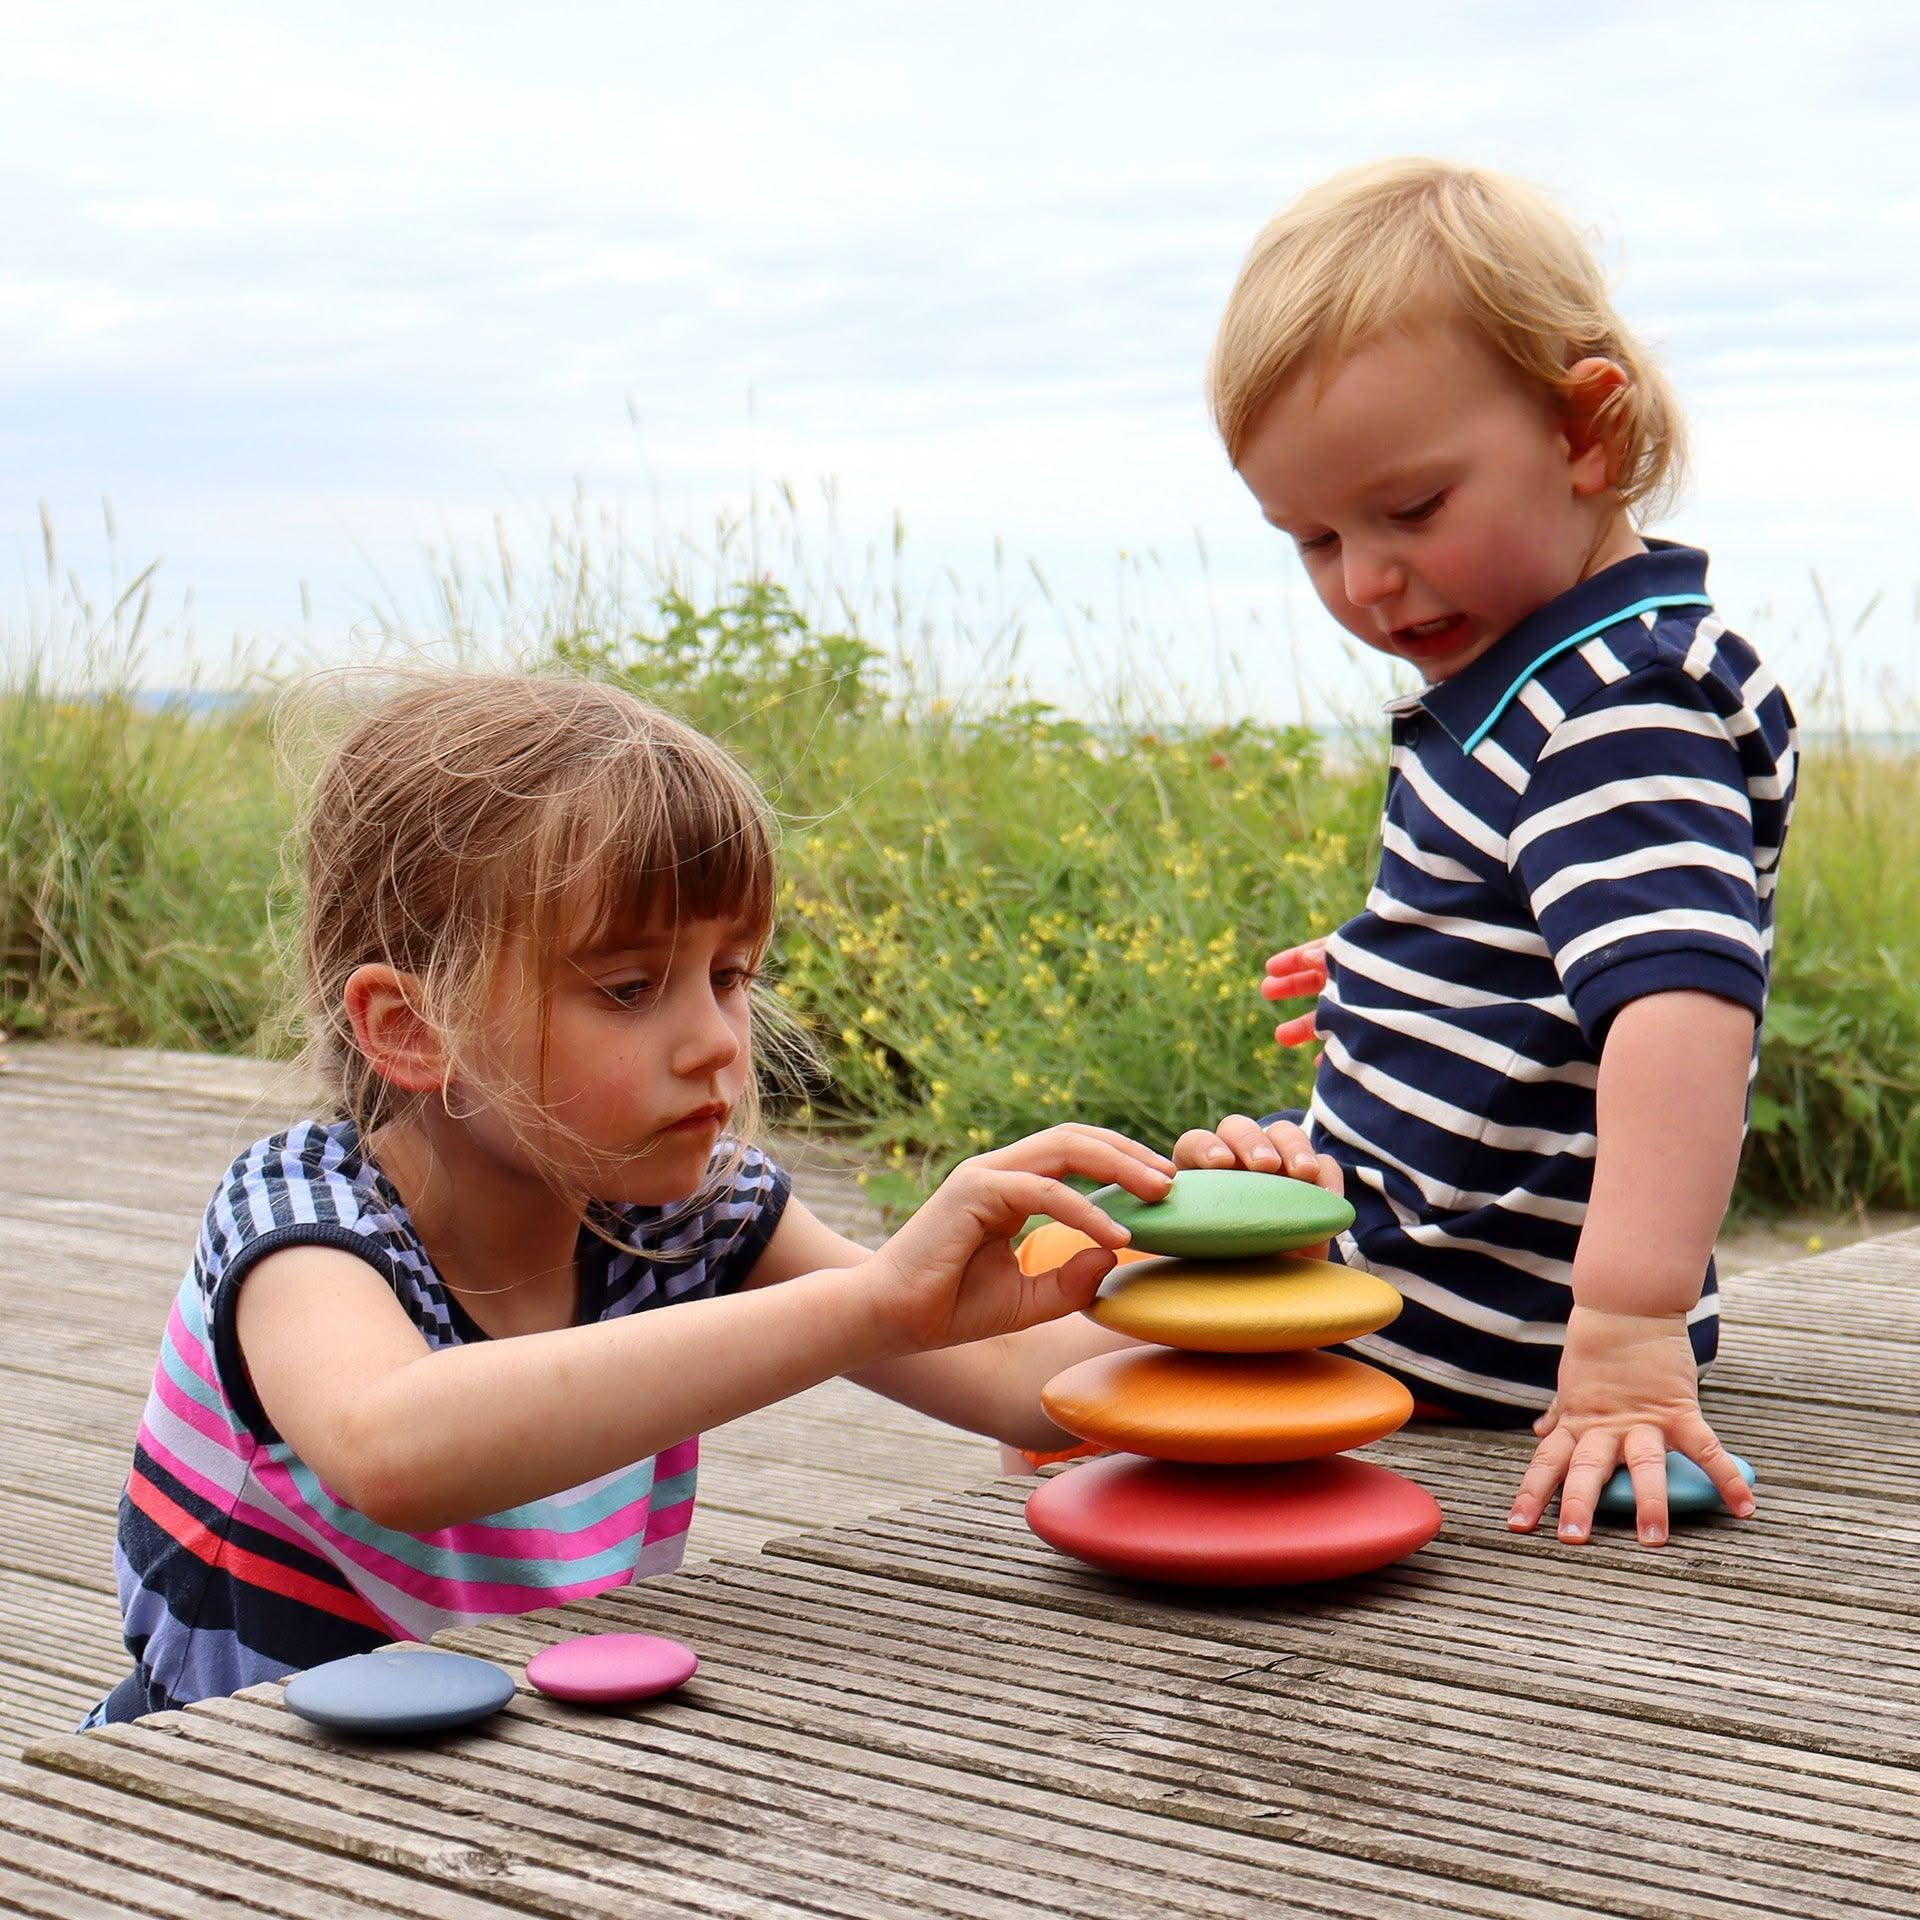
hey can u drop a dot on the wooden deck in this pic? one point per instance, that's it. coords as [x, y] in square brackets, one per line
[927, 1711]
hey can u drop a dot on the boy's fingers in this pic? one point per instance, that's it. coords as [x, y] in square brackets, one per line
[1550, 1419]
[1249, 1143]
[1199, 1148]
[1297, 1157]
[1296, 1033]
[1543, 1474]
[1331, 1175]
[1593, 1462]
[1702, 1445]
[1646, 1455]
[1289, 986]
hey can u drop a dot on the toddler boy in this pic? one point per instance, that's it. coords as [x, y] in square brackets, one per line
[1541, 1030]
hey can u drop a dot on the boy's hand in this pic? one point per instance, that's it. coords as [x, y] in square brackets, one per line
[1290, 974]
[1628, 1389]
[949, 1275]
[1280, 1148]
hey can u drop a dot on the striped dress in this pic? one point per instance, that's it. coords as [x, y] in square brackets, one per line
[236, 1563]
[1592, 812]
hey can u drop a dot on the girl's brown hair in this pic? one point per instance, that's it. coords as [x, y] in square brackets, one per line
[466, 811]
[1404, 242]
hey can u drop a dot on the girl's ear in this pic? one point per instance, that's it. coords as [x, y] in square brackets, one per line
[391, 1032]
[1587, 398]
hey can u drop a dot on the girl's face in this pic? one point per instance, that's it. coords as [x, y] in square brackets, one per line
[646, 1054]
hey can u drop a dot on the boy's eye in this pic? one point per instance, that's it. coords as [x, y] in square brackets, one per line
[1316, 543]
[1412, 516]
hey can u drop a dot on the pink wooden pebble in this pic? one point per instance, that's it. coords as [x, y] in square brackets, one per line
[605, 1667]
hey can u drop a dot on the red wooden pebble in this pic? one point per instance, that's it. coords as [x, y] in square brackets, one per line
[607, 1667]
[1234, 1526]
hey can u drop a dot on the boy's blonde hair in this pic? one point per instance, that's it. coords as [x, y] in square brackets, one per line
[1403, 242]
[466, 811]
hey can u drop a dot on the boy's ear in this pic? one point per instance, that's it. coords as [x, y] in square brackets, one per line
[1593, 439]
[390, 1031]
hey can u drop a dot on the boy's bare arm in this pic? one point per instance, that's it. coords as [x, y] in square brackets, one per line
[1670, 1109]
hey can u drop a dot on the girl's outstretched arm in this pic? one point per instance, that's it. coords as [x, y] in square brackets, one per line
[418, 1439]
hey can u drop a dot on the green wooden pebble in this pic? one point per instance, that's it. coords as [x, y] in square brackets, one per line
[1689, 1491]
[1226, 1213]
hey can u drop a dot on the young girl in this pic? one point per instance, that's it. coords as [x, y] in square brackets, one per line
[448, 1352]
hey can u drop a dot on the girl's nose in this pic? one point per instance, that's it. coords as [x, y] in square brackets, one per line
[707, 1042]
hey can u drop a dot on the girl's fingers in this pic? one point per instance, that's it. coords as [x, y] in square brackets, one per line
[1550, 1419]
[1331, 1175]
[1070, 1286]
[1646, 1456]
[1544, 1473]
[1092, 1153]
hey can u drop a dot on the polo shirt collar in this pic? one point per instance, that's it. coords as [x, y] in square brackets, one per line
[1471, 702]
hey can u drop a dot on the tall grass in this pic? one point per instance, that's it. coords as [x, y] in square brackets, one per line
[993, 914]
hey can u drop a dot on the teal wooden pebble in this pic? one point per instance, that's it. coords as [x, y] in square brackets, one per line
[397, 1691]
[1227, 1213]
[1689, 1491]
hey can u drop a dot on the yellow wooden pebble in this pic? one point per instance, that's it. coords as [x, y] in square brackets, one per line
[1271, 1303]
[1226, 1408]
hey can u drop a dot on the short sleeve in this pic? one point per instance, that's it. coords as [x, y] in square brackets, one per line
[742, 1222]
[1633, 847]
[294, 1190]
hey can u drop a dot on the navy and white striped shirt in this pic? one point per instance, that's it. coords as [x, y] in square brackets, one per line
[1591, 812]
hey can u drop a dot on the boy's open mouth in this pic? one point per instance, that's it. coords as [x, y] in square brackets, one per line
[1426, 636]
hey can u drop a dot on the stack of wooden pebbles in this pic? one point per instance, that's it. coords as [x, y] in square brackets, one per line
[1229, 1434]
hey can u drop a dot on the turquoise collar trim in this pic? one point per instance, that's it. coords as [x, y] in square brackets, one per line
[1573, 640]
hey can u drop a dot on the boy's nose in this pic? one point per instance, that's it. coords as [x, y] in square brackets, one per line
[1370, 577]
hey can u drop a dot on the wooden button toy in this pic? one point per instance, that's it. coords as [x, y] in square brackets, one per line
[1234, 1526]
[1223, 1212]
[1226, 1408]
[399, 1690]
[1274, 1303]
[1689, 1491]
[1051, 1245]
[602, 1668]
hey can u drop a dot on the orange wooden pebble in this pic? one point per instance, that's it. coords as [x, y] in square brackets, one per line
[1226, 1409]
[1050, 1244]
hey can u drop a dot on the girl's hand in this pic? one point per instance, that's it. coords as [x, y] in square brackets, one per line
[1628, 1390]
[949, 1275]
[1290, 974]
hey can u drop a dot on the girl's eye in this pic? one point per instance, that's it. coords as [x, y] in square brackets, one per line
[1412, 516]
[629, 993]
[734, 979]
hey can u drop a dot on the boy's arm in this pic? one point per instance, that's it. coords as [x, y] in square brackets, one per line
[1671, 1107]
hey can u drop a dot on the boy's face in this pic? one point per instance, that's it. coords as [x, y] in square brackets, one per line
[1434, 497]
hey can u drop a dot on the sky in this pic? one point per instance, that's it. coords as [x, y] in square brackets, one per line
[312, 295]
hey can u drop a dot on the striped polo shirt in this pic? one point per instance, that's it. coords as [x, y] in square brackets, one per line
[237, 1563]
[1591, 812]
